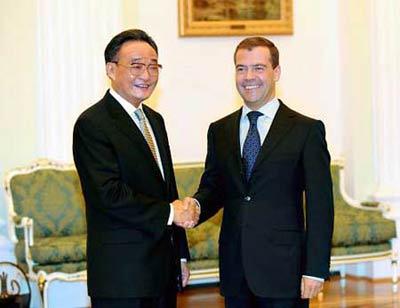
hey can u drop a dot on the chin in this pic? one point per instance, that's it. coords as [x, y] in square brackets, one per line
[142, 96]
[251, 100]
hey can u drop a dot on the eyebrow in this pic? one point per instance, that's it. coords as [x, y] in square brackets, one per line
[140, 58]
[252, 65]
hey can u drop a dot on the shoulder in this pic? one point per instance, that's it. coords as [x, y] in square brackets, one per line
[93, 111]
[300, 119]
[96, 114]
[227, 120]
[150, 111]
[154, 115]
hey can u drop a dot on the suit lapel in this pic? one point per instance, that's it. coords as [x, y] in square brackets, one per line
[281, 124]
[234, 130]
[125, 125]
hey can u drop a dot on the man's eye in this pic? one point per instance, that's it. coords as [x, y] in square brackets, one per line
[153, 67]
[137, 66]
[259, 68]
[240, 69]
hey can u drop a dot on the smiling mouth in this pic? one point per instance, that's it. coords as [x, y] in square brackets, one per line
[142, 86]
[252, 87]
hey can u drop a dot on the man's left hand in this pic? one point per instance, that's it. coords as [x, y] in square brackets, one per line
[310, 287]
[185, 273]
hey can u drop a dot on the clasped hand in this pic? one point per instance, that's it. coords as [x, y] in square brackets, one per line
[186, 212]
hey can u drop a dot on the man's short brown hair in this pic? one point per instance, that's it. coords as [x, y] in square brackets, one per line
[258, 41]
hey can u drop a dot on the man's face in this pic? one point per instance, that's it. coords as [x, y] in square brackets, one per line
[134, 87]
[255, 77]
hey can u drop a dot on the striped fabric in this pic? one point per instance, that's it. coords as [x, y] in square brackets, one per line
[146, 132]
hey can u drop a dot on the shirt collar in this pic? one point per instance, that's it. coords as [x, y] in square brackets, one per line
[269, 109]
[128, 107]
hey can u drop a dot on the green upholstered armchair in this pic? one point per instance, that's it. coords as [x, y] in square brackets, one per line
[203, 240]
[47, 222]
[361, 233]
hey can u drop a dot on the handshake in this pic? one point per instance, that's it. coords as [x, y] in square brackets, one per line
[186, 212]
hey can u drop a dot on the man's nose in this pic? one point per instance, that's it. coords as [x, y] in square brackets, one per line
[145, 74]
[249, 73]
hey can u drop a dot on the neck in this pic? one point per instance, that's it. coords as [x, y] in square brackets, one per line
[135, 103]
[254, 106]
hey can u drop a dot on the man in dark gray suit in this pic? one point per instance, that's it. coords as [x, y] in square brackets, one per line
[260, 161]
[136, 257]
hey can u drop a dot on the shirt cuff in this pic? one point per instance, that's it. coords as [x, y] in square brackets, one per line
[197, 204]
[171, 215]
[314, 278]
[183, 260]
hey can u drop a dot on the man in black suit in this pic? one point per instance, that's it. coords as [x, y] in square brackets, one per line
[123, 158]
[273, 252]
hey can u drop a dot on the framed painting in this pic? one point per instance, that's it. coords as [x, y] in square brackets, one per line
[235, 17]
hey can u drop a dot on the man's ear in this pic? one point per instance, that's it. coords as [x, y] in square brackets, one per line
[110, 70]
[277, 73]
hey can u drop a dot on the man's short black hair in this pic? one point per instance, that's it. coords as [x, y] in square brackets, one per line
[258, 41]
[129, 35]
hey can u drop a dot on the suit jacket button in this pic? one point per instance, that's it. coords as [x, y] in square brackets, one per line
[247, 198]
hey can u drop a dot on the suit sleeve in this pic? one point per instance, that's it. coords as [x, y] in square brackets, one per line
[179, 233]
[98, 168]
[319, 203]
[208, 193]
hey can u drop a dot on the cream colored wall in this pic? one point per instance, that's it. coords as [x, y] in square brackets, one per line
[18, 82]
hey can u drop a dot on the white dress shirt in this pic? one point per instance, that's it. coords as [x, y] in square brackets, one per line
[130, 109]
[263, 124]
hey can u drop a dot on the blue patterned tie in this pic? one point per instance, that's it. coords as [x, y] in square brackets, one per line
[252, 144]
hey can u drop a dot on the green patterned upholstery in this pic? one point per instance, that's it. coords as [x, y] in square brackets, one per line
[203, 240]
[52, 197]
[360, 249]
[55, 250]
[357, 230]
[203, 264]
[68, 268]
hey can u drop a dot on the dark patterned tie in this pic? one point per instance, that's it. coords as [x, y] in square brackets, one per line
[252, 144]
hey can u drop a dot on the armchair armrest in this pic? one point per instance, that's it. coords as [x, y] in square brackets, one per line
[370, 204]
[17, 220]
[26, 224]
[366, 205]
[383, 207]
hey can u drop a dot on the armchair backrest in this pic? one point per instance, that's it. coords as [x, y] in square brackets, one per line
[50, 194]
[188, 178]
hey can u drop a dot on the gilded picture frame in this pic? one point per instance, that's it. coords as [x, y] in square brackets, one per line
[235, 17]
